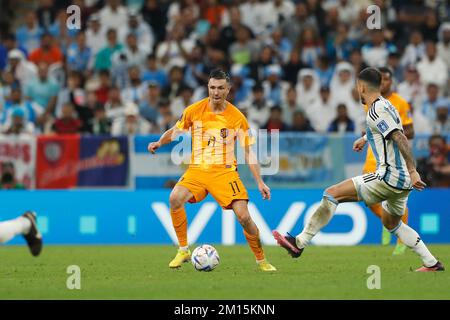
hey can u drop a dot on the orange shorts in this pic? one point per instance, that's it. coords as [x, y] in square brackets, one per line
[224, 185]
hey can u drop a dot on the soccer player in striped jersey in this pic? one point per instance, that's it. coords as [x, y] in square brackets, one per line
[395, 177]
[370, 165]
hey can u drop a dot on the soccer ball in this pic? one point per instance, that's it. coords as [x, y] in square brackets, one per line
[205, 258]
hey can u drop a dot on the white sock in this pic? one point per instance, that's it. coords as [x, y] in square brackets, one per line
[412, 240]
[318, 220]
[185, 249]
[11, 228]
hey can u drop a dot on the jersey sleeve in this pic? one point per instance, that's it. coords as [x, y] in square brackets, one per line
[244, 134]
[185, 122]
[384, 120]
[405, 113]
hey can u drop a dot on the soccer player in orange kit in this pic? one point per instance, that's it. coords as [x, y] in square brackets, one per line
[215, 125]
[370, 165]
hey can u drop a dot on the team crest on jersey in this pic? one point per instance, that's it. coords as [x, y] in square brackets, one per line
[224, 133]
[383, 126]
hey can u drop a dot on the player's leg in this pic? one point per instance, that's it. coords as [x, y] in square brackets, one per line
[393, 209]
[189, 188]
[251, 233]
[26, 226]
[400, 247]
[346, 191]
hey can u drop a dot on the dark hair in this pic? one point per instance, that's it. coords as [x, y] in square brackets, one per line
[257, 87]
[219, 74]
[386, 70]
[276, 108]
[371, 76]
[437, 136]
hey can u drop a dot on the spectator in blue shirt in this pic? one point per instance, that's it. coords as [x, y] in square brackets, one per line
[29, 35]
[78, 54]
[342, 123]
[153, 73]
[103, 58]
[43, 90]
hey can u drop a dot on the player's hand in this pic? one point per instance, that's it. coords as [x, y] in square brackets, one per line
[416, 181]
[153, 146]
[265, 190]
[359, 144]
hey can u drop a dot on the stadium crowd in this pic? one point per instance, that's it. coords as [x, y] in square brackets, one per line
[136, 64]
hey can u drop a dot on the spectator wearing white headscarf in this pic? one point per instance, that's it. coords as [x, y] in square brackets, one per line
[308, 87]
[342, 83]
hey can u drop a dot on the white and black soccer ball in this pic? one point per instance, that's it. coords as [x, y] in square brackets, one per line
[205, 258]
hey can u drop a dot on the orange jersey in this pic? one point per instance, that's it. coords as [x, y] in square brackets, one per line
[404, 111]
[214, 135]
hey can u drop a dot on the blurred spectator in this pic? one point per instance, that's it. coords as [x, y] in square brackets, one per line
[356, 111]
[292, 68]
[114, 106]
[7, 44]
[322, 111]
[195, 73]
[309, 46]
[149, 107]
[48, 52]
[29, 34]
[300, 123]
[86, 111]
[153, 72]
[275, 121]
[79, 55]
[100, 123]
[113, 14]
[104, 84]
[61, 33]
[73, 93]
[443, 46]
[131, 123]
[441, 125]
[348, 11]
[228, 34]
[8, 177]
[277, 12]
[19, 125]
[184, 100]
[308, 86]
[253, 15]
[95, 35]
[412, 88]
[435, 169]
[281, 45]
[244, 49]
[274, 88]
[293, 27]
[22, 69]
[166, 118]
[290, 105]
[46, 13]
[176, 81]
[393, 63]
[356, 60]
[43, 90]
[340, 46]
[136, 90]
[176, 8]
[259, 66]
[429, 104]
[258, 107]
[141, 31]
[213, 40]
[175, 49]
[415, 50]
[342, 83]
[103, 57]
[152, 13]
[213, 12]
[375, 53]
[432, 68]
[430, 26]
[342, 123]
[67, 123]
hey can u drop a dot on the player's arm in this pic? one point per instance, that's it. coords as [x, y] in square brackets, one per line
[252, 161]
[402, 142]
[166, 138]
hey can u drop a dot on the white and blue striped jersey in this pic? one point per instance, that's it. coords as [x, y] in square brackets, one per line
[382, 119]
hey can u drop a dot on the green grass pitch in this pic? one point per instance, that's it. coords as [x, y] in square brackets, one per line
[142, 272]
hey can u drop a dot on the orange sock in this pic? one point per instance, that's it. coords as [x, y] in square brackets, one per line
[179, 222]
[404, 220]
[377, 209]
[255, 244]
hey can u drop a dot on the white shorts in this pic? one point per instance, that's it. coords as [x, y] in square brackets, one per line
[371, 189]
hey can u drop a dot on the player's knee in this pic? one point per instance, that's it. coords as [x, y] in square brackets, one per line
[332, 192]
[175, 201]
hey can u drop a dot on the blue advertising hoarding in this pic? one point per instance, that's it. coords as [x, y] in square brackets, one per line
[142, 217]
